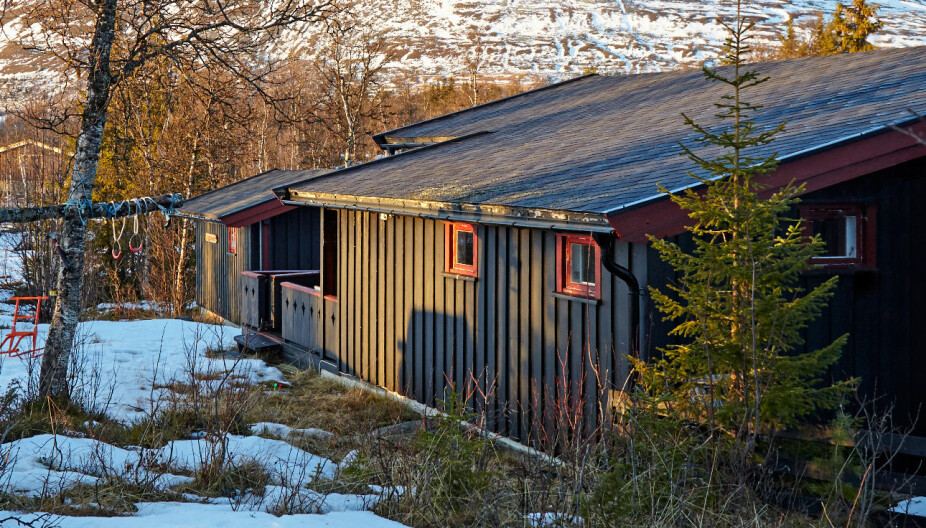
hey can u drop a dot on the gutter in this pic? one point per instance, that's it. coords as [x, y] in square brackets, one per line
[488, 214]
[790, 157]
[606, 242]
[193, 216]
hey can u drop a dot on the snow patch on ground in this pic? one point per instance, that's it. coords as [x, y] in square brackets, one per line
[277, 456]
[283, 431]
[195, 515]
[45, 462]
[915, 506]
[125, 369]
[125, 365]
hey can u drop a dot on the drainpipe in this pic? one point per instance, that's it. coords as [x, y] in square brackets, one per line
[606, 243]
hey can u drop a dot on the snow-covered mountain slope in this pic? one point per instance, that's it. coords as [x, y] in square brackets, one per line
[562, 37]
[554, 38]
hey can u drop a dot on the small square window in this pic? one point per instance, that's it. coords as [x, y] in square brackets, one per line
[840, 235]
[460, 249]
[578, 264]
[233, 241]
[846, 231]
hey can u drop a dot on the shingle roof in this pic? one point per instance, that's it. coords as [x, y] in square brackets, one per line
[596, 144]
[243, 194]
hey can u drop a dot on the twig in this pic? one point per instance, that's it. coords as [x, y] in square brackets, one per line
[916, 137]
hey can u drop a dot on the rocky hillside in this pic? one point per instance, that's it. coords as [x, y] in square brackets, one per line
[551, 38]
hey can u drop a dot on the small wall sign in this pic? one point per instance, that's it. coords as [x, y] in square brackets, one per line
[211, 238]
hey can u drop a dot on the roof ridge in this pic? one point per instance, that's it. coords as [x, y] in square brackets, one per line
[382, 135]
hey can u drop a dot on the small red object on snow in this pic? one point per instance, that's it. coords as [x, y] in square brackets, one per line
[10, 344]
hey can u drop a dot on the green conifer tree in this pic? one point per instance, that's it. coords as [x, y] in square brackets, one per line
[790, 44]
[737, 302]
[852, 25]
[847, 32]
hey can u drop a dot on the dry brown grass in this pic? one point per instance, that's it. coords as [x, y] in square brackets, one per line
[108, 498]
[316, 401]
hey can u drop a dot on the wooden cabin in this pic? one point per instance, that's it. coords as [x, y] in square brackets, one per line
[244, 229]
[501, 252]
[28, 170]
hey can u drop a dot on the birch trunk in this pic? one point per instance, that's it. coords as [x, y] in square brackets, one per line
[53, 376]
[179, 280]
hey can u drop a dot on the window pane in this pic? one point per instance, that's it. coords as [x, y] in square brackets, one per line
[581, 271]
[851, 231]
[839, 235]
[232, 240]
[465, 243]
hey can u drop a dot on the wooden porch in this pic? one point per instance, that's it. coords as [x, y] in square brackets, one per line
[287, 308]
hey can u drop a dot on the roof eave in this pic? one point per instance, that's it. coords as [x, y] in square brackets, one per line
[244, 216]
[196, 216]
[816, 168]
[256, 213]
[461, 212]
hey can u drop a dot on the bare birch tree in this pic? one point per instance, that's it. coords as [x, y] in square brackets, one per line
[105, 42]
[349, 69]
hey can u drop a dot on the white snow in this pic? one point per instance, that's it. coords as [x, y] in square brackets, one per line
[125, 369]
[44, 463]
[124, 365]
[195, 515]
[283, 431]
[277, 456]
[543, 38]
[915, 506]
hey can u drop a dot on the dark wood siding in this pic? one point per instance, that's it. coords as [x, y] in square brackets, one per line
[882, 309]
[295, 239]
[294, 244]
[218, 287]
[525, 357]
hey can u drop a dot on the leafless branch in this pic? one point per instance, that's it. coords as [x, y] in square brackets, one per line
[919, 138]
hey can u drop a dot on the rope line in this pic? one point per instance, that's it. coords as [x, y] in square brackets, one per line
[142, 205]
[117, 240]
[135, 236]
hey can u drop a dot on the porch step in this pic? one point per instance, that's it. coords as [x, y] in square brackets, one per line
[256, 343]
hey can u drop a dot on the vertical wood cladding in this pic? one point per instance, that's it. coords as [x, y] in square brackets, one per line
[295, 239]
[294, 244]
[218, 273]
[881, 309]
[529, 359]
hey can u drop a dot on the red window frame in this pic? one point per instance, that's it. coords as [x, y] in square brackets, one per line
[232, 240]
[564, 282]
[864, 232]
[450, 247]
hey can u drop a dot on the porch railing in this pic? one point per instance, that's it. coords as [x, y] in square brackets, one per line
[309, 319]
[261, 306]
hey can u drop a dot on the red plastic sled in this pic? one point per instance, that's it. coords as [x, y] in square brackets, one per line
[11, 343]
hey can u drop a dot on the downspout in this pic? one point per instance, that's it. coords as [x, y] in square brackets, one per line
[606, 242]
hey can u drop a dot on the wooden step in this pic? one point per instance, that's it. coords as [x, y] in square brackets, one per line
[256, 342]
